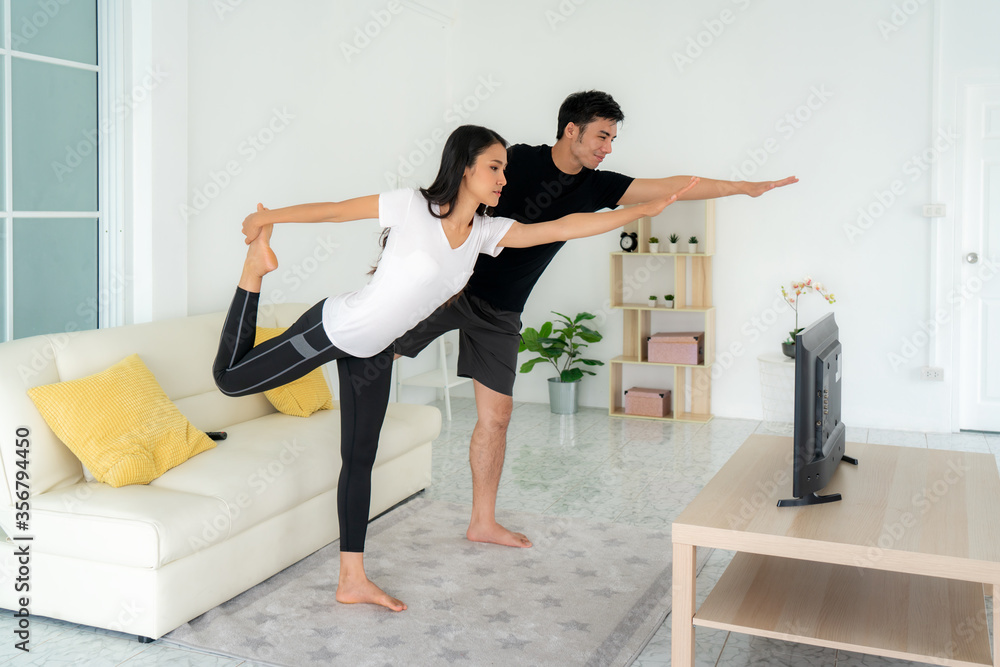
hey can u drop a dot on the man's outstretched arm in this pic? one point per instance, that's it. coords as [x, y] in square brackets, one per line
[646, 189]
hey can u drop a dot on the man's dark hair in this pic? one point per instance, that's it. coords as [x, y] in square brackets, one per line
[584, 107]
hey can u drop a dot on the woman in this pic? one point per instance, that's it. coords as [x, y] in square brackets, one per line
[436, 235]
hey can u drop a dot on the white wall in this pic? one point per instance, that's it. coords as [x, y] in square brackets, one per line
[156, 121]
[330, 122]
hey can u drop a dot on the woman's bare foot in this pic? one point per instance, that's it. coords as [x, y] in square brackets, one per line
[260, 261]
[354, 585]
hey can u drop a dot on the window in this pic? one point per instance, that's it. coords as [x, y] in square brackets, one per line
[62, 244]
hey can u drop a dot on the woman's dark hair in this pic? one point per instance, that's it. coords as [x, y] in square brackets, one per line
[461, 150]
[464, 145]
[582, 108]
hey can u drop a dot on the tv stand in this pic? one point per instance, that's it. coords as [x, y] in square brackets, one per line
[811, 499]
[875, 573]
[814, 498]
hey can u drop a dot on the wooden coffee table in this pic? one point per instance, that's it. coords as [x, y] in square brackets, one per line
[898, 568]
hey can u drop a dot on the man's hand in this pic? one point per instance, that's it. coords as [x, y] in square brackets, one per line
[653, 208]
[253, 223]
[757, 188]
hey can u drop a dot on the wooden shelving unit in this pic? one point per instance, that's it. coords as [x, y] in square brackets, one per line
[692, 278]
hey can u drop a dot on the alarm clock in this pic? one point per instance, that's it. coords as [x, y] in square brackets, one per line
[629, 241]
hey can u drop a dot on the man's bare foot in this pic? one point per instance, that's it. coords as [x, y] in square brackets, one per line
[494, 533]
[355, 591]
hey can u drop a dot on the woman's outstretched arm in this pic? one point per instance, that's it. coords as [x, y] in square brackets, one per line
[579, 225]
[359, 208]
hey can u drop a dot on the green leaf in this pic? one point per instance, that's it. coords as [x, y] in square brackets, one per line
[591, 362]
[571, 375]
[584, 316]
[528, 365]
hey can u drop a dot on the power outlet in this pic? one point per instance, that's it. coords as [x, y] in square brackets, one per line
[935, 210]
[933, 373]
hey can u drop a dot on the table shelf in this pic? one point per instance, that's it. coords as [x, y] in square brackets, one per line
[892, 614]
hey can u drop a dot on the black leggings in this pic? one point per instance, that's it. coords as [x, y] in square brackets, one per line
[241, 369]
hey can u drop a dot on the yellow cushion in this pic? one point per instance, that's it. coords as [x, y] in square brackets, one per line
[120, 423]
[302, 397]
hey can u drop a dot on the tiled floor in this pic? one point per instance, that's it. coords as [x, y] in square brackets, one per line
[586, 465]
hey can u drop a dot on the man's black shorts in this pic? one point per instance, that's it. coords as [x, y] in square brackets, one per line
[487, 344]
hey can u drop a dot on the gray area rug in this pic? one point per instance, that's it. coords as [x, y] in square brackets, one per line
[585, 594]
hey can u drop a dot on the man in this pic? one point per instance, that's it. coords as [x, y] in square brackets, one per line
[543, 183]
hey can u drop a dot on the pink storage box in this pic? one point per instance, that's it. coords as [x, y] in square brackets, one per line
[677, 347]
[647, 402]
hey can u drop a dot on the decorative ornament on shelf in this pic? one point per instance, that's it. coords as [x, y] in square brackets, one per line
[693, 245]
[629, 241]
[654, 244]
[653, 301]
[669, 299]
[798, 289]
[673, 242]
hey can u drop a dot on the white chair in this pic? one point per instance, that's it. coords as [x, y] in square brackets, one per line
[439, 378]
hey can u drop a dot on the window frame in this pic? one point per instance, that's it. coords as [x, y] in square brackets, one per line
[112, 281]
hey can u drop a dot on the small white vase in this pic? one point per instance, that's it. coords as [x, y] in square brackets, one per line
[654, 247]
[653, 304]
[692, 248]
[668, 304]
[673, 247]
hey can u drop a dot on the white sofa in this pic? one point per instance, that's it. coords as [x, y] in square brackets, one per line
[144, 559]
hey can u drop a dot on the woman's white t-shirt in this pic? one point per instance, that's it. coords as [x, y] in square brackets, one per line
[418, 271]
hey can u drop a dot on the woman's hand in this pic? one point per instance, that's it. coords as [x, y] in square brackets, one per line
[654, 207]
[252, 224]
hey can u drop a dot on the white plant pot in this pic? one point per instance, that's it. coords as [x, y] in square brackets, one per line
[673, 247]
[654, 247]
[692, 248]
[653, 304]
[668, 304]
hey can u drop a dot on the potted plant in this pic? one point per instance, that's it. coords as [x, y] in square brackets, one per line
[562, 346]
[654, 244]
[653, 301]
[669, 299]
[673, 242]
[693, 244]
[800, 288]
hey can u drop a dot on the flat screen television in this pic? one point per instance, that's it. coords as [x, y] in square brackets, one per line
[819, 432]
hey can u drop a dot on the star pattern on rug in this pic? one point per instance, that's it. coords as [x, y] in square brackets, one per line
[603, 592]
[635, 560]
[549, 601]
[428, 564]
[575, 625]
[510, 641]
[580, 572]
[442, 630]
[499, 617]
[389, 642]
[541, 581]
[443, 605]
[453, 656]
[575, 553]
[490, 590]
[435, 582]
[323, 655]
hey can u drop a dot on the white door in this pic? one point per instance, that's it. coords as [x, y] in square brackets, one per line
[977, 297]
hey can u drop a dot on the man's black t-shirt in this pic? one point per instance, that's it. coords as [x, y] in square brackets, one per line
[537, 191]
